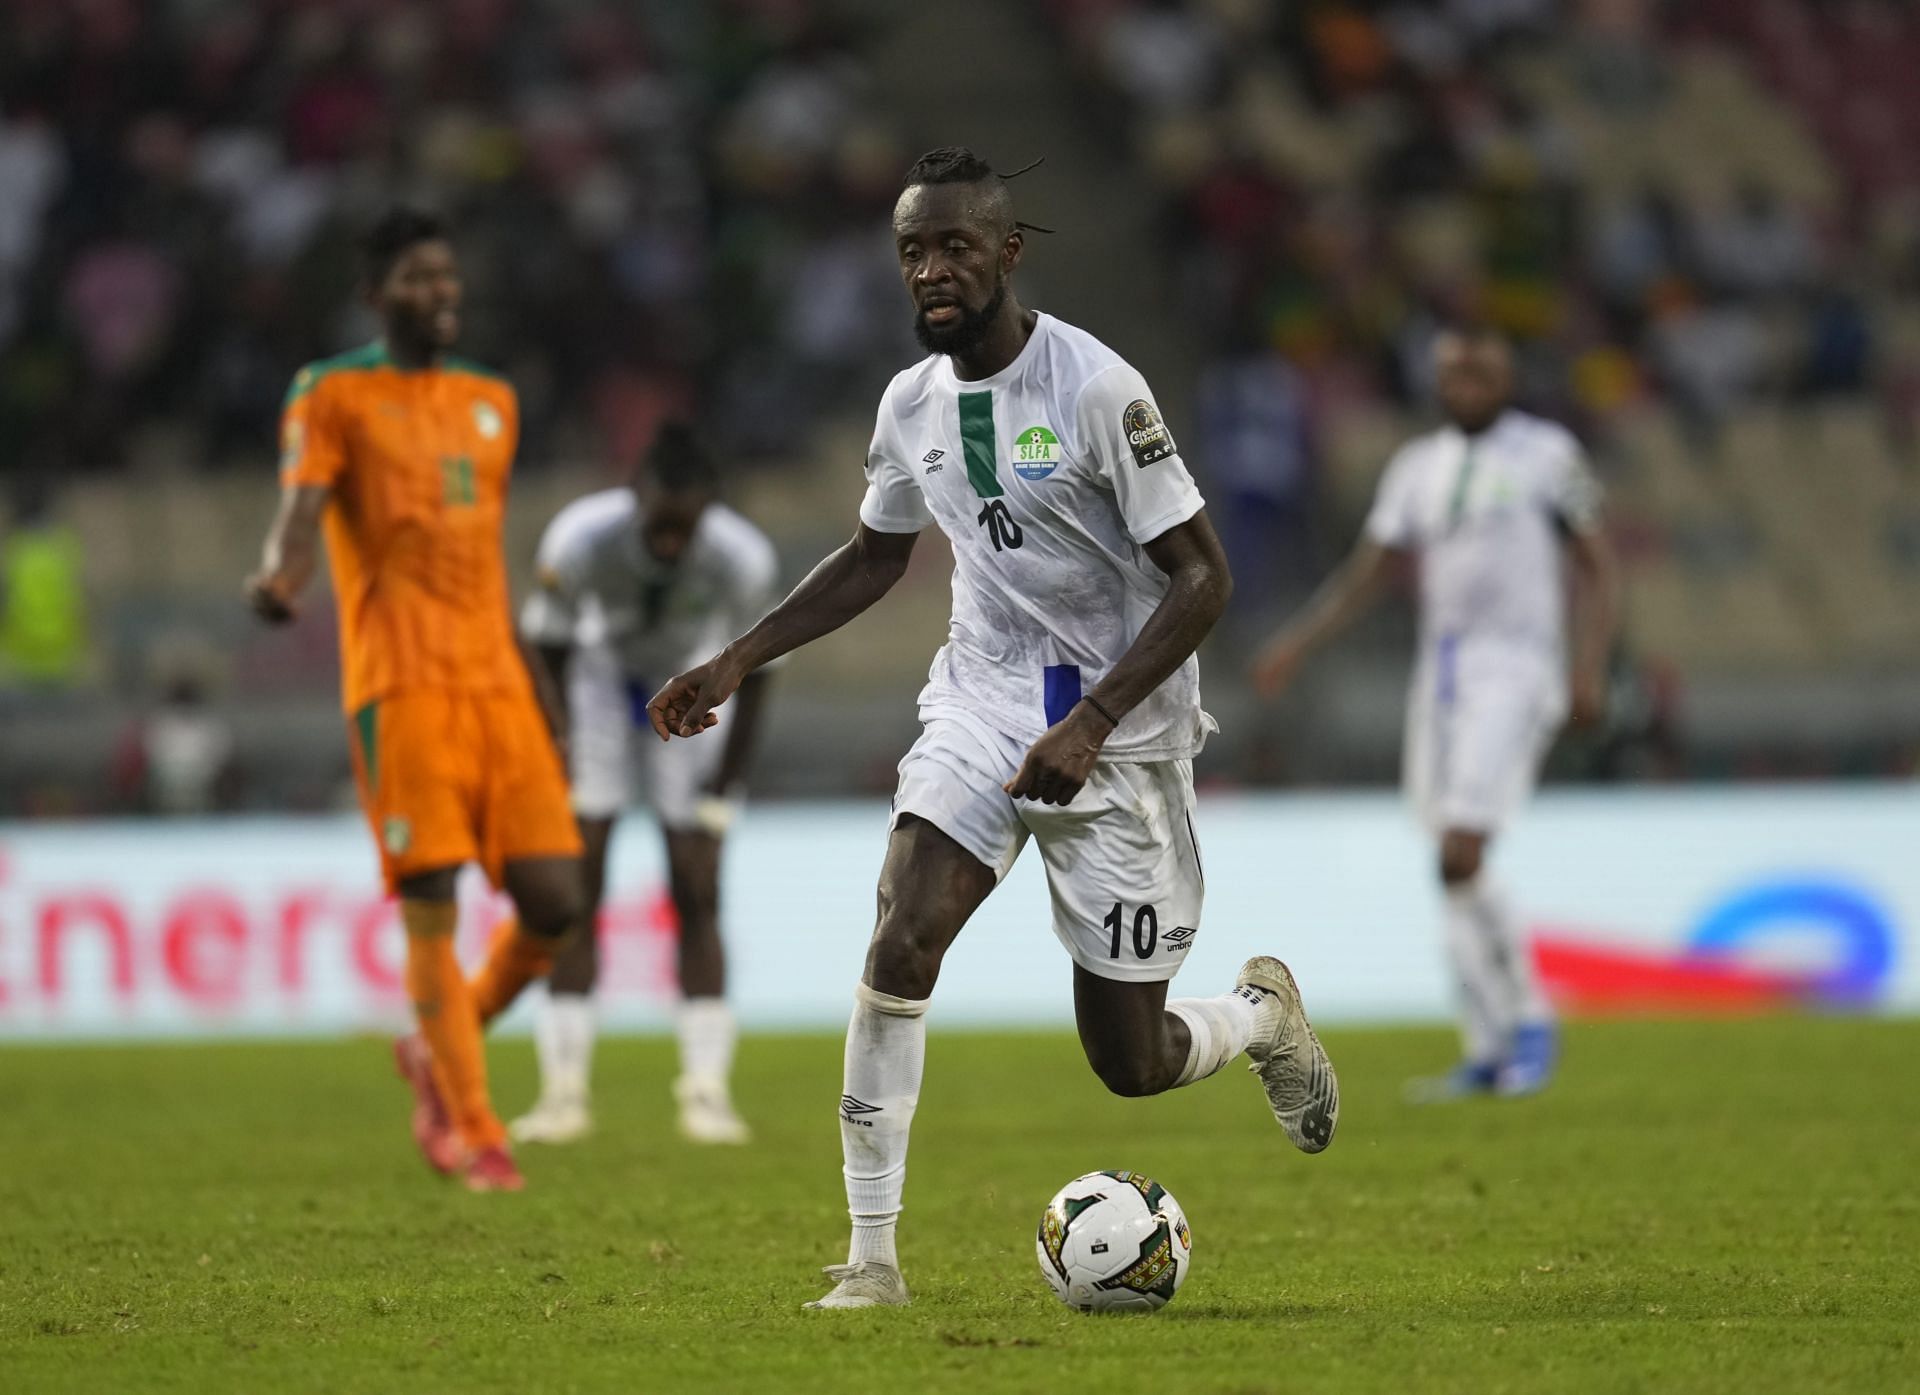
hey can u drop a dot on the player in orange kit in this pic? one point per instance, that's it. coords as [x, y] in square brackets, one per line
[402, 454]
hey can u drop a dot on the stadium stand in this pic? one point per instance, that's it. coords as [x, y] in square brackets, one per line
[1697, 220]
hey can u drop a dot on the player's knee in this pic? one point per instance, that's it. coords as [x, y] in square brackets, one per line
[904, 958]
[554, 914]
[1128, 1076]
[1460, 858]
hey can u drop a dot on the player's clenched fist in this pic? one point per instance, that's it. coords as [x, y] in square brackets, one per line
[1059, 763]
[684, 706]
[268, 598]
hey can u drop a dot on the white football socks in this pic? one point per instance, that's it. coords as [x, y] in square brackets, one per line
[1494, 967]
[886, 1055]
[1219, 1029]
[563, 1040]
[1526, 1000]
[706, 1030]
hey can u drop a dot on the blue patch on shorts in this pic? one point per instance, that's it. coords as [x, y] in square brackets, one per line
[1062, 690]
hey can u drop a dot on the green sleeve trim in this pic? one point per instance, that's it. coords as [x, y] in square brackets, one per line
[366, 725]
[367, 356]
[477, 370]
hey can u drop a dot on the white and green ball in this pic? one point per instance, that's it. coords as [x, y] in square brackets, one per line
[1114, 1242]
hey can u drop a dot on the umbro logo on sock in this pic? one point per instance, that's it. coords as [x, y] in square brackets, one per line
[851, 1109]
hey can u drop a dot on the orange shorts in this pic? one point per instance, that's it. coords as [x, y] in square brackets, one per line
[451, 778]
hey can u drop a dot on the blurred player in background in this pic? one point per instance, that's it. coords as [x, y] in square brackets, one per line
[1065, 706]
[636, 584]
[1485, 505]
[402, 454]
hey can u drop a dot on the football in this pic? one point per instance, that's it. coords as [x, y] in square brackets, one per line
[1114, 1242]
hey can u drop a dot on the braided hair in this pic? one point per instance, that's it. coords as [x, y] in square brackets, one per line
[956, 164]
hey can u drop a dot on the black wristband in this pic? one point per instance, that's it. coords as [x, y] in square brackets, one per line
[1090, 701]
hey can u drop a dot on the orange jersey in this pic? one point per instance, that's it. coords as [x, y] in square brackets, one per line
[418, 462]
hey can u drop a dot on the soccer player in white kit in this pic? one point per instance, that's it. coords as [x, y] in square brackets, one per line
[1486, 505]
[634, 584]
[1064, 706]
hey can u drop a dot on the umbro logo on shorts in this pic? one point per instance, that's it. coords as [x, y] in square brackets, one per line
[933, 458]
[851, 1109]
[1179, 939]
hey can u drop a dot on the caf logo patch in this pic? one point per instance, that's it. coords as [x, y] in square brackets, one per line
[486, 420]
[1147, 435]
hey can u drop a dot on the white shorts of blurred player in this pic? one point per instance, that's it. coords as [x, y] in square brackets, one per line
[1481, 718]
[1122, 860]
[618, 762]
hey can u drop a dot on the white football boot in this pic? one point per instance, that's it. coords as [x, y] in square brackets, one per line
[1292, 1065]
[706, 1112]
[553, 1119]
[868, 1284]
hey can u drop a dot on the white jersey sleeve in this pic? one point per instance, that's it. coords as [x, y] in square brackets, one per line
[551, 615]
[1391, 521]
[1576, 493]
[894, 502]
[1132, 453]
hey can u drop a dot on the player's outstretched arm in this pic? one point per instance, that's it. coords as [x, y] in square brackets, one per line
[1343, 597]
[291, 553]
[847, 582]
[1198, 587]
[1595, 610]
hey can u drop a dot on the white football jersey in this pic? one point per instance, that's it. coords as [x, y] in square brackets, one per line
[1484, 513]
[598, 586]
[1047, 478]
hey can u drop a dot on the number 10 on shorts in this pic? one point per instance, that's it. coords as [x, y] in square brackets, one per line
[1146, 930]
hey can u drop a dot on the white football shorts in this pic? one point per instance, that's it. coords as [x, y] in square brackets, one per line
[618, 762]
[1122, 859]
[1480, 721]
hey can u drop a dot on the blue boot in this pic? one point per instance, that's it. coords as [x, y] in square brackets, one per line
[1536, 1051]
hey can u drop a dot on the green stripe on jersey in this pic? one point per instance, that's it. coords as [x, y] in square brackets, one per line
[366, 724]
[1461, 483]
[977, 442]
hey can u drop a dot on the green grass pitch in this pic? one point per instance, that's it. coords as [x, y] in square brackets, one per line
[1726, 1206]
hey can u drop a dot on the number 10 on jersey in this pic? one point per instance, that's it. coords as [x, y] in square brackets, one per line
[1000, 526]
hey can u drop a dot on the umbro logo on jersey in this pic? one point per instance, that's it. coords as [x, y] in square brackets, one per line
[932, 460]
[851, 1109]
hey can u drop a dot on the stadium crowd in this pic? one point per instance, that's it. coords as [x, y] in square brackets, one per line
[656, 204]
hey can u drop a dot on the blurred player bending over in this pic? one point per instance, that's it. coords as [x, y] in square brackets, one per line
[1065, 706]
[1484, 504]
[636, 584]
[403, 453]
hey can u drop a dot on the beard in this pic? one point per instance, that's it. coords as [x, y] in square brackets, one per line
[965, 332]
